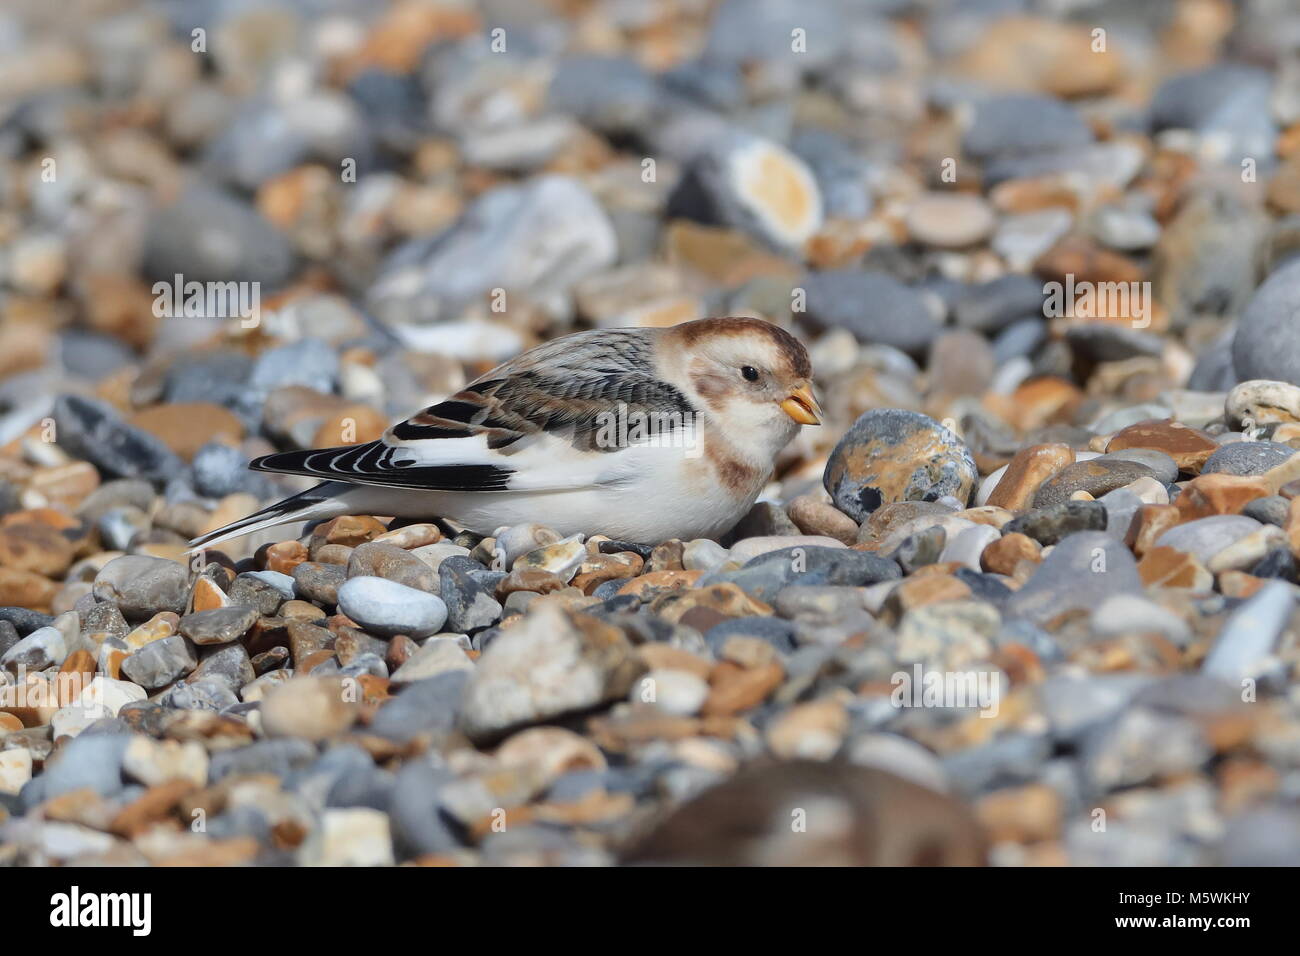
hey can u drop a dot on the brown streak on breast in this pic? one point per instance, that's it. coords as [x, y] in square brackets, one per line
[735, 475]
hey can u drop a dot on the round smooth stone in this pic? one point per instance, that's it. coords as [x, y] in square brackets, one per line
[387, 608]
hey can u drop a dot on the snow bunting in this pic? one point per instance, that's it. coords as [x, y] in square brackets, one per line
[640, 434]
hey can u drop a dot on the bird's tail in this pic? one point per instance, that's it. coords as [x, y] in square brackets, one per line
[323, 501]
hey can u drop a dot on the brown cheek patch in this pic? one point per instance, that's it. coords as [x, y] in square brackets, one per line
[711, 387]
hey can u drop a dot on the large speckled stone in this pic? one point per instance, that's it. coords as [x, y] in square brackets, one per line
[891, 454]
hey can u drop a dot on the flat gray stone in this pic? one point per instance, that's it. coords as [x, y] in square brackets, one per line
[1080, 573]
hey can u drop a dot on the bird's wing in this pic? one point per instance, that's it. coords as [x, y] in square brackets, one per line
[541, 422]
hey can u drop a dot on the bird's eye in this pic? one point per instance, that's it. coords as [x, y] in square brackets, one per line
[750, 373]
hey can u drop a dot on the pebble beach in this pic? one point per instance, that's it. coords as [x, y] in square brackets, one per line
[1028, 596]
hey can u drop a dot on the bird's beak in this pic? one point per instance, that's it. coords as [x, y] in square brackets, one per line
[802, 406]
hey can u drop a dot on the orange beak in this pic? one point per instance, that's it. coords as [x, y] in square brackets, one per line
[802, 406]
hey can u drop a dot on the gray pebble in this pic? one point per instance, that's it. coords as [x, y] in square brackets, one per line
[1265, 346]
[141, 586]
[1245, 645]
[1080, 573]
[161, 662]
[876, 308]
[220, 625]
[387, 608]
[1247, 458]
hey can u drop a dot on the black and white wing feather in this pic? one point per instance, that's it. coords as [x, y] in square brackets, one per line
[534, 423]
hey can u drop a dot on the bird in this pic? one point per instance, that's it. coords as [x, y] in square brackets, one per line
[641, 434]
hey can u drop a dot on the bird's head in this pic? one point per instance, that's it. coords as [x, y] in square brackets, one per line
[751, 377]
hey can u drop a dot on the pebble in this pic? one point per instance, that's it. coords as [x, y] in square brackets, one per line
[467, 593]
[426, 706]
[155, 762]
[950, 220]
[1096, 477]
[995, 305]
[1247, 458]
[1125, 613]
[1206, 537]
[896, 455]
[1023, 123]
[921, 548]
[1003, 555]
[773, 631]
[89, 761]
[387, 608]
[205, 234]
[752, 184]
[383, 560]
[356, 836]
[1189, 448]
[818, 518]
[765, 575]
[140, 585]
[1227, 104]
[93, 430]
[308, 708]
[45, 647]
[439, 655]
[1082, 570]
[1026, 472]
[1050, 525]
[1261, 401]
[745, 550]
[218, 626]
[676, 692]
[1140, 745]
[161, 662]
[874, 307]
[15, 770]
[320, 583]
[1263, 347]
[1271, 509]
[1245, 646]
[547, 665]
[538, 238]
[251, 591]
[702, 554]
[563, 558]
[1163, 468]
